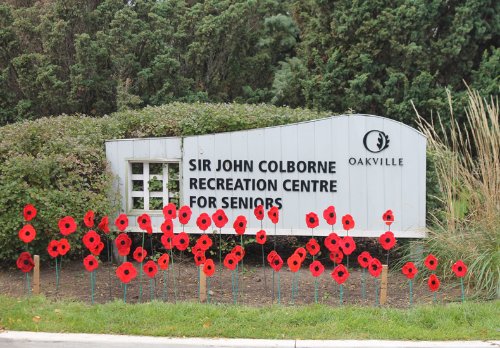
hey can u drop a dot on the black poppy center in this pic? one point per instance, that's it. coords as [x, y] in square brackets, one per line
[169, 212]
[29, 212]
[316, 268]
[66, 225]
[150, 269]
[365, 259]
[26, 262]
[122, 242]
[126, 272]
[122, 222]
[332, 215]
[341, 274]
[410, 270]
[311, 220]
[184, 214]
[230, 261]
[388, 217]
[241, 224]
[182, 241]
[54, 248]
[91, 239]
[63, 246]
[219, 218]
[91, 263]
[295, 263]
[460, 269]
[27, 233]
[203, 221]
[431, 262]
[387, 240]
[433, 282]
[347, 245]
[374, 267]
[144, 221]
[347, 222]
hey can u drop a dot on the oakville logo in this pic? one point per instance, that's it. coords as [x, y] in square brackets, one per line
[376, 141]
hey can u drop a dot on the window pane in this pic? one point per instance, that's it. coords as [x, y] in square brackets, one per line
[156, 168]
[137, 168]
[137, 185]
[137, 203]
[155, 184]
[155, 203]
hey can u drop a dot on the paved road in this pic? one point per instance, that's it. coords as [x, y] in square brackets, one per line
[18, 339]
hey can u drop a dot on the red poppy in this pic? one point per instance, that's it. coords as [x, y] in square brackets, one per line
[336, 256]
[63, 247]
[27, 233]
[332, 242]
[230, 261]
[121, 222]
[163, 261]
[104, 224]
[169, 211]
[220, 218]
[90, 263]
[123, 244]
[205, 242]
[150, 268]
[277, 263]
[25, 262]
[301, 252]
[181, 241]
[271, 256]
[98, 249]
[312, 220]
[199, 258]
[167, 241]
[261, 237]
[433, 283]
[348, 245]
[459, 268]
[312, 247]
[364, 259]
[348, 222]
[126, 272]
[375, 267]
[387, 240]
[91, 239]
[88, 219]
[240, 224]
[294, 262]
[274, 215]
[53, 248]
[29, 212]
[140, 254]
[259, 212]
[167, 227]
[196, 248]
[67, 225]
[238, 252]
[203, 221]
[316, 268]
[388, 217]
[144, 222]
[184, 214]
[209, 268]
[330, 216]
[431, 262]
[340, 274]
[409, 270]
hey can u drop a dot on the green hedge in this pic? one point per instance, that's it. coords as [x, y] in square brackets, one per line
[59, 163]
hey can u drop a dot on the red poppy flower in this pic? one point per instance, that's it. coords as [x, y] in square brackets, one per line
[199, 258]
[184, 214]
[294, 262]
[181, 241]
[27, 233]
[301, 252]
[25, 262]
[387, 240]
[167, 227]
[67, 225]
[277, 263]
[167, 241]
[88, 219]
[203, 221]
[316, 268]
[238, 252]
[431, 262]
[388, 217]
[312, 220]
[121, 222]
[375, 267]
[332, 242]
[220, 218]
[340, 274]
[230, 261]
[312, 247]
[90, 263]
[348, 222]
[459, 268]
[274, 215]
[409, 270]
[433, 283]
[240, 225]
[261, 237]
[205, 242]
[163, 261]
[140, 254]
[150, 268]
[91, 239]
[330, 216]
[123, 244]
[53, 248]
[104, 224]
[259, 212]
[63, 247]
[209, 268]
[98, 249]
[169, 211]
[348, 245]
[144, 222]
[271, 256]
[29, 212]
[336, 256]
[364, 259]
[126, 272]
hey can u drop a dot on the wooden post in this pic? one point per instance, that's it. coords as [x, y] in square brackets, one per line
[383, 285]
[36, 275]
[203, 285]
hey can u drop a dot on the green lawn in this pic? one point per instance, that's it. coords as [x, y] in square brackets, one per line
[473, 320]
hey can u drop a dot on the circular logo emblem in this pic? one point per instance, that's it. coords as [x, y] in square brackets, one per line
[376, 141]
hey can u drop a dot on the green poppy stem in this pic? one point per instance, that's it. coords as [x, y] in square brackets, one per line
[57, 276]
[315, 289]
[279, 289]
[92, 287]
[242, 269]
[125, 293]
[264, 266]
[273, 287]
[377, 298]
[165, 294]
[411, 293]
[387, 259]
[237, 281]
[140, 271]
[208, 290]
[341, 294]
[462, 287]
[363, 280]
[220, 247]
[173, 274]
[435, 298]
[199, 285]
[151, 290]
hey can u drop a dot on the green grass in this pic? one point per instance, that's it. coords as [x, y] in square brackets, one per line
[473, 320]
